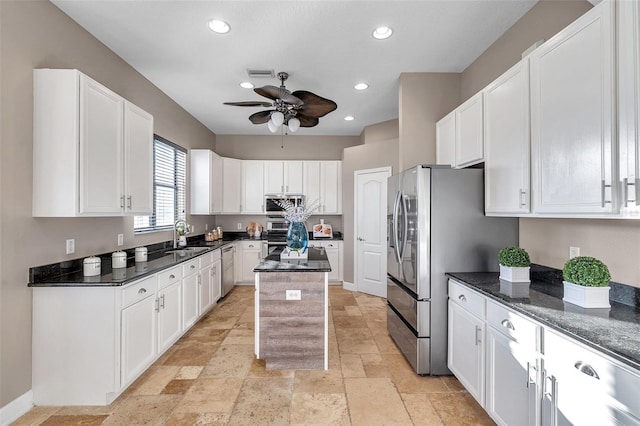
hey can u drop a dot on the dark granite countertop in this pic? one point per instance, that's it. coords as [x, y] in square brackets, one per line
[316, 262]
[56, 276]
[615, 332]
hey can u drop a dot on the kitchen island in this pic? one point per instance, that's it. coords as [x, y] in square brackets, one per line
[291, 308]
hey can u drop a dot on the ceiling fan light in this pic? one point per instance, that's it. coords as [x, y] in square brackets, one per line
[381, 33]
[294, 124]
[272, 127]
[218, 26]
[349, 118]
[361, 86]
[278, 118]
[247, 85]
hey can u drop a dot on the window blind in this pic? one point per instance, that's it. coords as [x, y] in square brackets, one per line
[169, 187]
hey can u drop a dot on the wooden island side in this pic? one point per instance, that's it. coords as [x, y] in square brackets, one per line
[291, 311]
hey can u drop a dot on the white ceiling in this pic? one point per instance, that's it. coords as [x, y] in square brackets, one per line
[326, 47]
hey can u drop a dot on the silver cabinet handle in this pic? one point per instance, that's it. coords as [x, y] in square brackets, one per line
[625, 191]
[478, 334]
[129, 202]
[507, 324]
[142, 291]
[171, 276]
[157, 305]
[162, 301]
[122, 201]
[193, 267]
[585, 368]
[523, 198]
[250, 245]
[462, 298]
[551, 391]
[603, 186]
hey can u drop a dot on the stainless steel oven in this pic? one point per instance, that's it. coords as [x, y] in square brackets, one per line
[277, 235]
[271, 203]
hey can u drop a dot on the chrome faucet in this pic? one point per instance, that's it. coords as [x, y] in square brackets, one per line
[185, 227]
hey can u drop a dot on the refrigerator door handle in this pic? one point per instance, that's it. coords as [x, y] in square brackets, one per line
[396, 248]
[405, 227]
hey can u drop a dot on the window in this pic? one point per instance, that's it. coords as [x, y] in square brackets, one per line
[169, 187]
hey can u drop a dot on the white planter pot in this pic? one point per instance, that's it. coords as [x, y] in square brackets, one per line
[515, 274]
[587, 297]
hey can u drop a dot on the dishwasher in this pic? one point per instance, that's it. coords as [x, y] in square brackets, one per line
[228, 270]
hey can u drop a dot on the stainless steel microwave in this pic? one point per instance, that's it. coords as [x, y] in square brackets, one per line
[273, 209]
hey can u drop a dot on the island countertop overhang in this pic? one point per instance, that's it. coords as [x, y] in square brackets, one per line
[316, 261]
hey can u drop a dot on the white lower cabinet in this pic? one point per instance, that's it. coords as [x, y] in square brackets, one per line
[525, 382]
[209, 281]
[466, 339]
[248, 256]
[90, 343]
[334, 254]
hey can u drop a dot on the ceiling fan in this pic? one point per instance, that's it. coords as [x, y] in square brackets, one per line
[298, 109]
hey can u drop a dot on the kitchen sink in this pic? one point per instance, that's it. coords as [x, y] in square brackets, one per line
[188, 250]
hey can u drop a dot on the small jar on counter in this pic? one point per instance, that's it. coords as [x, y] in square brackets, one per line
[141, 254]
[118, 259]
[91, 266]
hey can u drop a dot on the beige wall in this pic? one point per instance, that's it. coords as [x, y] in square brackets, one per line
[616, 242]
[424, 98]
[36, 34]
[385, 131]
[295, 147]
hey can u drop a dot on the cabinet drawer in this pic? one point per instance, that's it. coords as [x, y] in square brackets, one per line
[251, 245]
[592, 372]
[216, 254]
[206, 259]
[467, 298]
[169, 276]
[513, 325]
[330, 245]
[190, 267]
[139, 290]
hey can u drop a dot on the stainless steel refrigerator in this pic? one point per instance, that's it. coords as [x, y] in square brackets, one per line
[436, 224]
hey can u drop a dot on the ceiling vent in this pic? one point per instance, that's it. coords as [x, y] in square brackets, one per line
[261, 73]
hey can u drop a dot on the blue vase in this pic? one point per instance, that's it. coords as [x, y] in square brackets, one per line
[297, 236]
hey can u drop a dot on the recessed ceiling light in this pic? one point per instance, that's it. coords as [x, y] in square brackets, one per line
[349, 118]
[247, 85]
[361, 86]
[218, 26]
[381, 33]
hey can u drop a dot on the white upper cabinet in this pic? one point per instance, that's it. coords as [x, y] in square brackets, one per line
[283, 177]
[323, 182]
[572, 132]
[231, 185]
[252, 187]
[446, 140]
[507, 143]
[628, 19]
[206, 182]
[92, 150]
[469, 138]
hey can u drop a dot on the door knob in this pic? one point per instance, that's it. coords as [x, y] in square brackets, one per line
[360, 239]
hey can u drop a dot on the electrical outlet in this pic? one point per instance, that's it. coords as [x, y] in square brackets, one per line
[120, 239]
[574, 252]
[293, 295]
[206, 227]
[71, 246]
[239, 226]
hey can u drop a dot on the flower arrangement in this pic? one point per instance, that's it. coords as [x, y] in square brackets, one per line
[299, 213]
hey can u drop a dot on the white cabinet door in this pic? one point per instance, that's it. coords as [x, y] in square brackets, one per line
[138, 160]
[628, 20]
[190, 290]
[469, 135]
[101, 156]
[446, 140]
[231, 185]
[572, 86]
[334, 254]
[169, 315]
[466, 350]
[507, 143]
[206, 182]
[331, 187]
[205, 283]
[252, 187]
[251, 255]
[293, 177]
[216, 281]
[311, 181]
[138, 338]
[273, 177]
[511, 395]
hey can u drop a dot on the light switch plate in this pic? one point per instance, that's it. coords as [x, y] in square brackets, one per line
[71, 246]
[293, 295]
[120, 239]
[574, 252]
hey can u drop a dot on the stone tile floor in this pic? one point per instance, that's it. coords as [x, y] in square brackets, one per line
[211, 377]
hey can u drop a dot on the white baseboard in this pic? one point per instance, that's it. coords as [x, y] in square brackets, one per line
[16, 408]
[349, 286]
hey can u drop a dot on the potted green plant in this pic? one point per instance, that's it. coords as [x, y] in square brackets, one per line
[586, 282]
[514, 264]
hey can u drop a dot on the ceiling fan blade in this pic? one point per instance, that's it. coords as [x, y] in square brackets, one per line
[306, 121]
[314, 105]
[260, 117]
[249, 104]
[273, 92]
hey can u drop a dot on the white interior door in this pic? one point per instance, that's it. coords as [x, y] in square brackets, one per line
[370, 240]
